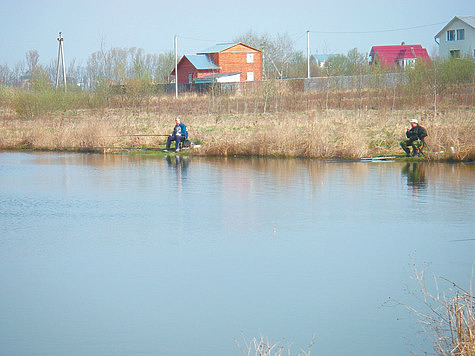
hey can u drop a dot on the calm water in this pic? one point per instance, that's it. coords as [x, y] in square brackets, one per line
[124, 255]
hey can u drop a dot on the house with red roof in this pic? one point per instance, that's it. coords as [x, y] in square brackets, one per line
[224, 62]
[403, 56]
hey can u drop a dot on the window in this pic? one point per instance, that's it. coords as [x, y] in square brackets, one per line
[250, 76]
[410, 63]
[455, 53]
[460, 35]
[190, 77]
[451, 35]
[250, 58]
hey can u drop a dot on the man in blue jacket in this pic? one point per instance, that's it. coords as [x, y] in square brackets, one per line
[178, 135]
[415, 137]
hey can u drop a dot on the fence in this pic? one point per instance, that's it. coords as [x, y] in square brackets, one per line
[367, 81]
[315, 84]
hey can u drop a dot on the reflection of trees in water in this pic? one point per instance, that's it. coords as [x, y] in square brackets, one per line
[415, 175]
[317, 173]
[290, 170]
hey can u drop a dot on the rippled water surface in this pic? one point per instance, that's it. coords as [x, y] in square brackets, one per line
[128, 255]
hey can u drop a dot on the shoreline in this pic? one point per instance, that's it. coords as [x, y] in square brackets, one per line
[158, 152]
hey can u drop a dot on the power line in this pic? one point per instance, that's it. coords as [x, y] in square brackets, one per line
[201, 39]
[303, 34]
[380, 31]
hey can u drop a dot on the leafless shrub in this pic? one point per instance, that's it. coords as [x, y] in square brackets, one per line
[447, 316]
[262, 346]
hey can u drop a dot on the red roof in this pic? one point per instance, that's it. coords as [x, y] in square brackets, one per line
[390, 55]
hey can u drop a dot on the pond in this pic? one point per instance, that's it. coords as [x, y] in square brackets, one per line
[126, 255]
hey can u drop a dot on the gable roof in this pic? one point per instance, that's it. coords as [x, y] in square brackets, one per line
[219, 47]
[469, 20]
[201, 61]
[224, 46]
[389, 55]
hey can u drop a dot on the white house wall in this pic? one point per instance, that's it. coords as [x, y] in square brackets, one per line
[466, 46]
[229, 78]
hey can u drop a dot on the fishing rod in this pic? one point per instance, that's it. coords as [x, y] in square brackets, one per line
[103, 148]
[139, 135]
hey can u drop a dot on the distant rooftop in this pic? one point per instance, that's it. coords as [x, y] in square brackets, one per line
[201, 61]
[219, 47]
[391, 54]
[469, 20]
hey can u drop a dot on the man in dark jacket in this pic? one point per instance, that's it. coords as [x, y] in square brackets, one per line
[178, 135]
[415, 136]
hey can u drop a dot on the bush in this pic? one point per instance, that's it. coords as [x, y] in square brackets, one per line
[439, 76]
[6, 95]
[31, 104]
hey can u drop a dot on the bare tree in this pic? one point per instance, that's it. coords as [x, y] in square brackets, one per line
[164, 66]
[32, 57]
[6, 75]
[278, 52]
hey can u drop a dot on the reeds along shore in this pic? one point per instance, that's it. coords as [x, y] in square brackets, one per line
[288, 123]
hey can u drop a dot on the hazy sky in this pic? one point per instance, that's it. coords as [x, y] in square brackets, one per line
[151, 25]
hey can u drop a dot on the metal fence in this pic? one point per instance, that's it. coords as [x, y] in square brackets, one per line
[367, 81]
[315, 84]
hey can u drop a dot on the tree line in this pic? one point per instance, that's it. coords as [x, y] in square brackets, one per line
[127, 66]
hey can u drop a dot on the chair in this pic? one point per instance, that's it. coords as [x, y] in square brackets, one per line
[420, 148]
[185, 144]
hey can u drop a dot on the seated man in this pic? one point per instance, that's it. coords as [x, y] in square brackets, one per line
[178, 135]
[415, 136]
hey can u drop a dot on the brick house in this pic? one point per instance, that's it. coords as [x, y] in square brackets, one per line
[457, 38]
[225, 62]
[402, 55]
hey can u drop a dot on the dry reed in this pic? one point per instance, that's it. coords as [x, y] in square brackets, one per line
[262, 346]
[448, 316]
[292, 125]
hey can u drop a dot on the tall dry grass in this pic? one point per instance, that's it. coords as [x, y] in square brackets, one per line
[446, 316]
[335, 133]
[287, 124]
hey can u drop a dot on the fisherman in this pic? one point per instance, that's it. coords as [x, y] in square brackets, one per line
[415, 136]
[178, 135]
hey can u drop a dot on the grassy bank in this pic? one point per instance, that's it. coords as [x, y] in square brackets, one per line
[299, 125]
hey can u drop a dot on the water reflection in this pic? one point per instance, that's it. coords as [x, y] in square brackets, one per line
[179, 165]
[210, 247]
[415, 176]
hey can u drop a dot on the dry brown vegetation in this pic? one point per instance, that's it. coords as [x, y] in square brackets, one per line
[447, 316]
[267, 121]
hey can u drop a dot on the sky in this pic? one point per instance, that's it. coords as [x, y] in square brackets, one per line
[335, 26]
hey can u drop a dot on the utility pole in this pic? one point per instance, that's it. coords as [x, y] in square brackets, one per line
[60, 57]
[176, 66]
[308, 54]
